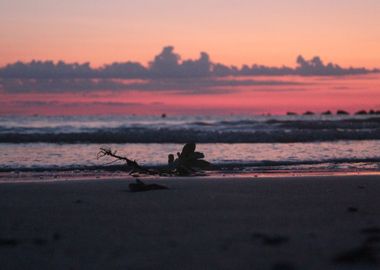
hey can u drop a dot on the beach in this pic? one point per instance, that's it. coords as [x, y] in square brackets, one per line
[325, 222]
[172, 135]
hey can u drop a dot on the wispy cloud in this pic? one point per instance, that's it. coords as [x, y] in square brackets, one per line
[52, 107]
[58, 85]
[207, 85]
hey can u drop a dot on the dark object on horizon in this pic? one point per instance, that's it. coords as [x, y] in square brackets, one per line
[327, 113]
[291, 113]
[163, 115]
[341, 112]
[308, 113]
[374, 112]
[361, 112]
[141, 186]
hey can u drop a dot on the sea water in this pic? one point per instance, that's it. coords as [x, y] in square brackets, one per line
[295, 143]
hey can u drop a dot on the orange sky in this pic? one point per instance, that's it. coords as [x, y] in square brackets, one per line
[271, 32]
[232, 32]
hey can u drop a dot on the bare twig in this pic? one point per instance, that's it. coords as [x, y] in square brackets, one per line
[135, 167]
[184, 165]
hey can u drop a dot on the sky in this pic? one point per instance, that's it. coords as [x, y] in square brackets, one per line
[271, 33]
[248, 96]
[233, 32]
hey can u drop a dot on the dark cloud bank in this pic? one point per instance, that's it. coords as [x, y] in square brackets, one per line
[168, 64]
[166, 72]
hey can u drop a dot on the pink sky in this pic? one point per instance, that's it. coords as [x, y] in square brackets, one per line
[271, 33]
[233, 32]
[318, 94]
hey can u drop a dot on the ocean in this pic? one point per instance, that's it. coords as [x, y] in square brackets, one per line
[66, 146]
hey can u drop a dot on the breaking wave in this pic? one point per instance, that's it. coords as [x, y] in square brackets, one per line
[272, 130]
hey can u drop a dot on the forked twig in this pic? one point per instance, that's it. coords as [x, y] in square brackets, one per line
[135, 167]
[184, 165]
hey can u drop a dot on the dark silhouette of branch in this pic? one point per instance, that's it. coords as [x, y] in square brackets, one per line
[135, 167]
[186, 162]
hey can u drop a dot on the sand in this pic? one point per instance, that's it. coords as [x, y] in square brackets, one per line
[254, 223]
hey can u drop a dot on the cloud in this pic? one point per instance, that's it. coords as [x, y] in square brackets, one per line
[68, 104]
[31, 107]
[168, 64]
[47, 70]
[197, 68]
[204, 85]
[127, 70]
[59, 85]
[316, 67]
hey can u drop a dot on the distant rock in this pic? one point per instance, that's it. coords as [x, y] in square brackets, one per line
[341, 112]
[361, 112]
[327, 113]
[291, 113]
[308, 113]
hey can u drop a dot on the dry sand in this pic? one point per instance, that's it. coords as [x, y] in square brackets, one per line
[263, 223]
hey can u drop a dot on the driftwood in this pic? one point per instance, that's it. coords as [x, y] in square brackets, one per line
[186, 163]
[188, 160]
[131, 164]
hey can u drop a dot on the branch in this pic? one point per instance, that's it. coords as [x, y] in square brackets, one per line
[130, 163]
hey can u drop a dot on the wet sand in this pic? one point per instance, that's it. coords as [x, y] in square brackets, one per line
[328, 222]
